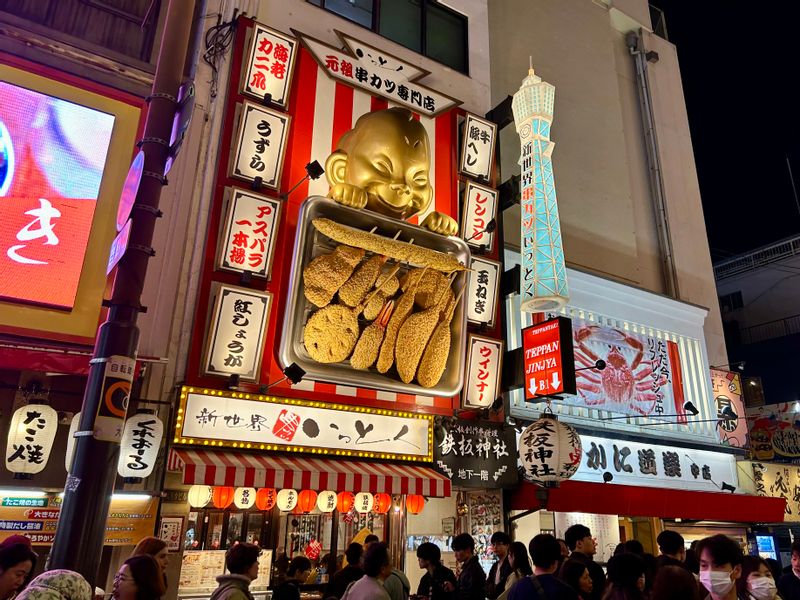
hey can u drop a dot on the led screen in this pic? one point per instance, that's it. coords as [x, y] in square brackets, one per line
[52, 156]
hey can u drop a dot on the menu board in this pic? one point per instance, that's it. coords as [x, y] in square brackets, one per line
[201, 568]
[604, 528]
[485, 518]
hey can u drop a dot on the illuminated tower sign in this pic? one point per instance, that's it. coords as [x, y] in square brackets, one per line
[543, 282]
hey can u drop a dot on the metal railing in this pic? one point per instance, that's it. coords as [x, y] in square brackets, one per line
[659, 22]
[757, 258]
[770, 330]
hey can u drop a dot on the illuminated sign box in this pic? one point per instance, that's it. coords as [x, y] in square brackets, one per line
[548, 359]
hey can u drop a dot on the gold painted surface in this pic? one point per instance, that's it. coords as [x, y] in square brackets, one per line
[383, 164]
[82, 320]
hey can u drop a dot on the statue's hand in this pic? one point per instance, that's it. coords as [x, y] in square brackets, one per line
[348, 195]
[440, 223]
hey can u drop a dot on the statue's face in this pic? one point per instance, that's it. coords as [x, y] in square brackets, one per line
[389, 161]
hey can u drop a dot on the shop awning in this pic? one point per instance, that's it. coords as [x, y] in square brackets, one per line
[634, 501]
[250, 470]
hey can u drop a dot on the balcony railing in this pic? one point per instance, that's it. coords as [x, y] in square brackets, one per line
[758, 258]
[770, 330]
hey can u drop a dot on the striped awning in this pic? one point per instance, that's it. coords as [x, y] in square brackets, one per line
[250, 470]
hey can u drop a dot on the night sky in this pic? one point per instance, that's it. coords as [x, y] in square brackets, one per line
[740, 64]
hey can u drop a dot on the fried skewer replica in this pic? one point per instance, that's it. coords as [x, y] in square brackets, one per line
[434, 360]
[361, 282]
[324, 275]
[331, 333]
[402, 309]
[369, 344]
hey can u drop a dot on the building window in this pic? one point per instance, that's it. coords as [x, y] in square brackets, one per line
[423, 26]
[730, 302]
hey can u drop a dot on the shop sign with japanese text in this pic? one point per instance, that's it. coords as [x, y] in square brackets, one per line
[484, 366]
[477, 147]
[113, 407]
[655, 465]
[479, 455]
[377, 73]
[269, 65]
[779, 481]
[236, 332]
[480, 207]
[775, 432]
[727, 388]
[248, 237]
[304, 426]
[260, 145]
[548, 359]
[484, 285]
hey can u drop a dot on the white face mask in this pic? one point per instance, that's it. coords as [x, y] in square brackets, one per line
[719, 583]
[762, 588]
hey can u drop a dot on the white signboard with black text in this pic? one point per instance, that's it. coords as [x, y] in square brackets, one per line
[484, 366]
[483, 287]
[306, 425]
[248, 235]
[236, 332]
[477, 147]
[269, 65]
[260, 145]
[480, 207]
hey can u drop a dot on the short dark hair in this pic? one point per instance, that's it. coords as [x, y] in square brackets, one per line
[571, 573]
[723, 550]
[500, 537]
[353, 553]
[371, 539]
[463, 541]
[375, 558]
[430, 552]
[14, 554]
[670, 542]
[241, 557]
[796, 547]
[634, 547]
[625, 569]
[545, 550]
[575, 534]
[298, 565]
[677, 582]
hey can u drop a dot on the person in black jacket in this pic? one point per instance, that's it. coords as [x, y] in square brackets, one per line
[789, 584]
[352, 572]
[472, 580]
[498, 574]
[436, 574]
[543, 584]
[296, 574]
[583, 547]
[672, 548]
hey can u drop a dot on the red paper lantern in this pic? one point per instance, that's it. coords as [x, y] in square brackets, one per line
[265, 498]
[222, 496]
[345, 501]
[383, 502]
[415, 503]
[306, 501]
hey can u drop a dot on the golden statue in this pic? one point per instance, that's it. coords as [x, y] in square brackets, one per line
[383, 164]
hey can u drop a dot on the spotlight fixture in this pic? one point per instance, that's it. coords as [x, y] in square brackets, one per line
[727, 487]
[728, 414]
[608, 477]
[233, 382]
[314, 170]
[489, 228]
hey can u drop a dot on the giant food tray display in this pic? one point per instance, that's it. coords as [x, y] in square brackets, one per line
[308, 296]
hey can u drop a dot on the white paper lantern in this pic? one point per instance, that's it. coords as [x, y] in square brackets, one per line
[141, 440]
[287, 500]
[199, 495]
[30, 438]
[73, 428]
[244, 497]
[550, 451]
[326, 501]
[364, 502]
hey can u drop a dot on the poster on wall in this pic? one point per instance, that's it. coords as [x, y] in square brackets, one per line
[260, 145]
[269, 65]
[727, 389]
[779, 481]
[642, 374]
[474, 454]
[604, 528]
[775, 432]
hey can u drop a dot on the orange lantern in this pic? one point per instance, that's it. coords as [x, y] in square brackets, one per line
[222, 496]
[415, 503]
[345, 501]
[265, 498]
[306, 501]
[383, 502]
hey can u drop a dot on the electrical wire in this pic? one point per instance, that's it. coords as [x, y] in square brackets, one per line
[218, 39]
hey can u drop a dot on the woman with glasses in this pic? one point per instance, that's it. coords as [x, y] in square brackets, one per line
[139, 578]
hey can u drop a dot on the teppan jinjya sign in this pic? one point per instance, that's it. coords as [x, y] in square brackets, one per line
[475, 454]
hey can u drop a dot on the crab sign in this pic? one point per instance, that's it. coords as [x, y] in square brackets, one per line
[630, 381]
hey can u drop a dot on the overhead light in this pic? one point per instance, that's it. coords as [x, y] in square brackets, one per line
[728, 414]
[691, 408]
[121, 496]
[22, 493]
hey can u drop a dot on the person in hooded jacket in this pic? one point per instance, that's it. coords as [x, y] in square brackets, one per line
[58, 584]
[242, 564]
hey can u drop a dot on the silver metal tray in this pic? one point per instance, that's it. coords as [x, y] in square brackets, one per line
[309, 243]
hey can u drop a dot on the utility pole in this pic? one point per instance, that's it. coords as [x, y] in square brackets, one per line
[80, 535]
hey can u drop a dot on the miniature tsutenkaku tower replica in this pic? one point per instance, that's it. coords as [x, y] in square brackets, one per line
[543, 284]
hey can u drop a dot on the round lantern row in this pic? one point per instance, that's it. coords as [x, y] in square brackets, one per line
[305, 501]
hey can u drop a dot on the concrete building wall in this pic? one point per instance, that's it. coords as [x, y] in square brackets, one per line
[607, 212]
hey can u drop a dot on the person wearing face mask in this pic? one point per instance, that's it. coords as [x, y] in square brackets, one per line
[756, 582]
[720, 566]
[789, 584]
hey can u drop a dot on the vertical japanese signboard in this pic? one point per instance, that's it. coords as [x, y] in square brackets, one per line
[480, 207]
[477, 147]
[113, 405]
[236, 332]
[260, 145]
[248, 235]
[484, 365]
[269, 65]
[483, 287]
[548, 359]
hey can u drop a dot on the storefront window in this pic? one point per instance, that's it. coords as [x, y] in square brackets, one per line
[255, 522]
[213, 527]
[234, 533]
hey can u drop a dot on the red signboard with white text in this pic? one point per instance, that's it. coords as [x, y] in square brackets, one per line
[549, 363]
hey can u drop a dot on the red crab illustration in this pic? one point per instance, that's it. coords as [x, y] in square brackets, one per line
[626, 382]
